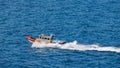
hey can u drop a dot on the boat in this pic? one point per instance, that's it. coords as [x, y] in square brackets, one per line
[44, 39]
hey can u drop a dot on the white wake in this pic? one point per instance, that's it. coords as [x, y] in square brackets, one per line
[75, 46]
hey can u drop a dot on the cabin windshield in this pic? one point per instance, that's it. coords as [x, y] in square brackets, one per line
[45, 37]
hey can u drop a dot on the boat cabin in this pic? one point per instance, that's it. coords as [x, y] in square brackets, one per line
[45, 38]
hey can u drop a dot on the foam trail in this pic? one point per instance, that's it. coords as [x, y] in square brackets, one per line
[75, 46]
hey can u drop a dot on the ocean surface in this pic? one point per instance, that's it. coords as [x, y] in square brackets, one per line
[91, 29]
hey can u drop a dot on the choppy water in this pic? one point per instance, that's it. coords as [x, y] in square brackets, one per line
[94, 24]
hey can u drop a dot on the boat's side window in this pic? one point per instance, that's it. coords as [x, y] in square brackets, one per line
[44, 38]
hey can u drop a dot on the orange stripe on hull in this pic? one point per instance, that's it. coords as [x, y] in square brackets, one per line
[38, 40]
[30, 39]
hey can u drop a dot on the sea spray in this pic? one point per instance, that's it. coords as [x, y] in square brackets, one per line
[75, 46]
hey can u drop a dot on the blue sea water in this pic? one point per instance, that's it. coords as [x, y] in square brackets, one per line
[86, 21]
